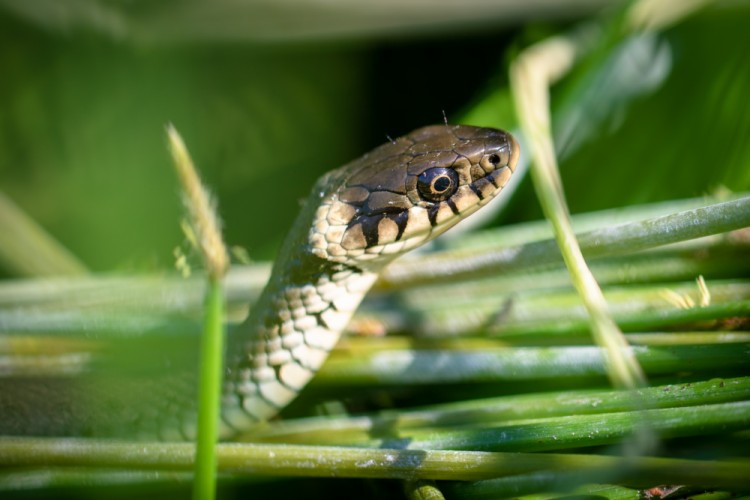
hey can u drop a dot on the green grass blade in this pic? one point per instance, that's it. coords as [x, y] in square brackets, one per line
[212, 350]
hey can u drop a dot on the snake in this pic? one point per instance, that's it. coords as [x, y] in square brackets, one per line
[356, 220]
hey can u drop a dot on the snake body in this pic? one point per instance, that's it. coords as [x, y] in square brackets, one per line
[357, 219]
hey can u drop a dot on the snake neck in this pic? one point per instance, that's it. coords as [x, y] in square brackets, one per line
[288, 335]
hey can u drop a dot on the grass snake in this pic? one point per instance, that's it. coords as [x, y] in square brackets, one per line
[357, 219]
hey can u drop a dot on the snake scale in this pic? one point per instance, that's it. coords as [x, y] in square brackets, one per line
[357, 219]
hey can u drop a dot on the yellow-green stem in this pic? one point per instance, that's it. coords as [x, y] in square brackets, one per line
[212, 346]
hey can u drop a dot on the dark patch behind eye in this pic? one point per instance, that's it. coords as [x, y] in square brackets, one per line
[400, 219]
[369, 227]
[387, 202]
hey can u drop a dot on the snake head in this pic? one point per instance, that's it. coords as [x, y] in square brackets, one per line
[407, 191]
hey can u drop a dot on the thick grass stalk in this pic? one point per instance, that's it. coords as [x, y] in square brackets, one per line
[545, 434]
[506, 364]
[252, 460]
[504, 409]
[582, 431]
[560, 313]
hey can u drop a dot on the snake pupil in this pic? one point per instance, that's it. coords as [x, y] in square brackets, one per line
[437, 184]
[441, 184]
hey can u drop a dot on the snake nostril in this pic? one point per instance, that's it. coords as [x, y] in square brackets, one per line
[494, 159]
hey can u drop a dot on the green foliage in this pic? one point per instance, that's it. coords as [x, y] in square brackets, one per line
[647, 118]
[683, 138]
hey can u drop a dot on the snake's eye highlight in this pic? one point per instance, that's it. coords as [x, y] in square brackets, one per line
[437, 184]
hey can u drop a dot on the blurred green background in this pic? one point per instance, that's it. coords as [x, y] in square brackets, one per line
[270, 95]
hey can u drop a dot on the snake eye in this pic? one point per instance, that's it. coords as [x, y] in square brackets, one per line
[437, 184]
